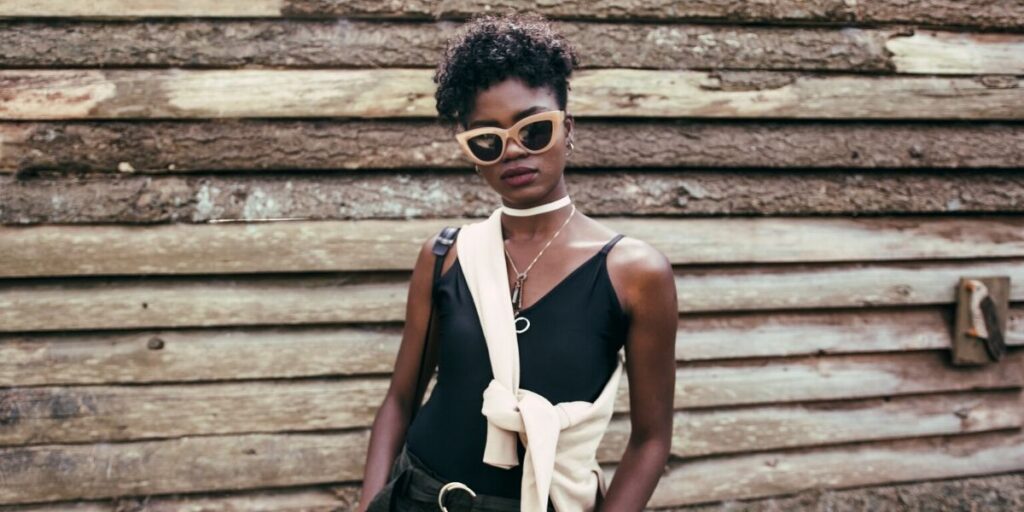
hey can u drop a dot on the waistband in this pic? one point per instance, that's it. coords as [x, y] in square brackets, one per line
[425, 486]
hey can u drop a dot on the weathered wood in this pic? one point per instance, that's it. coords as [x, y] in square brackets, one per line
[730, 383]
[715, 432]
[104, 413]
[982, 492]
[60, 472]
[63, 472]
[97, 94]
[262, 300]
[83, 414]
[974, 13]
[986, 492]
[956, 52]
[408, 92]
[91, 414]
[63, 199]
[774, 333]
[182, 355]
[322, 498]
[781, 472]
[125, 303]
[305, 246]
[790, 95]
[137, 8]
[188, 355]
[851, 285]
[156, 147]
[354, 43]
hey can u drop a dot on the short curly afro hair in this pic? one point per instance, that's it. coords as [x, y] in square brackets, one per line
[491, 49]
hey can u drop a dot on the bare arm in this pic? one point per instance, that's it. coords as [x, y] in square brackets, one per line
[392, 420]
[652, 304]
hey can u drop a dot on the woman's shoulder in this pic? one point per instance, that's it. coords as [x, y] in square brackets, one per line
[635, 268]
[630, 254]
[427, 257]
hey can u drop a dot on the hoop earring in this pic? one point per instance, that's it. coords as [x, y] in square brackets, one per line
[571, 146]
[476, 168]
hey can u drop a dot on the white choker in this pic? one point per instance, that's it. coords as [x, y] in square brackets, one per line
[536, 210]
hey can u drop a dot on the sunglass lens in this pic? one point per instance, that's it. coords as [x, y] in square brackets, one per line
[485, 147]
[537, 135]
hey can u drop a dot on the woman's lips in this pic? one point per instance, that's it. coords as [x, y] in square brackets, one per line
[521, 179]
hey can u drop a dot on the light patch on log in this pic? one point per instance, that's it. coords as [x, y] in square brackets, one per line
[952, 52]
[134, 8]
[48, 93]
[408, 92]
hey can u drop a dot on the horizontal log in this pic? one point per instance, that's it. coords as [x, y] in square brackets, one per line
[354, 43]
[221, 463]
[408, 92]
[782, 472]
[775, 334]
[732, 383]
[847, 285]
[322, 498]
[157, 147]
[183, 355]
[118, 413]
[131, 303]
[749, 429]
[62, 199]
[263, 300]
[216, 463]
[306, 246]
[973, 13]
[105, 413]
[83, 414]
[988, 491]
[948, 494]
[189, 355]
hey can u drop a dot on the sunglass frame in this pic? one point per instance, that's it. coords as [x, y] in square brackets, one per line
[557, 117]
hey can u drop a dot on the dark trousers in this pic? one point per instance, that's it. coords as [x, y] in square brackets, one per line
[414, 487]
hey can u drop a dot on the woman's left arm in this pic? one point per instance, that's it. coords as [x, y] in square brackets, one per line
[650, 301]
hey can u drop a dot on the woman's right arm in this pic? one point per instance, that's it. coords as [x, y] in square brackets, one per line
[392, 420]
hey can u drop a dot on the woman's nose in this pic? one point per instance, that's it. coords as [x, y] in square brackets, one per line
[514, 149]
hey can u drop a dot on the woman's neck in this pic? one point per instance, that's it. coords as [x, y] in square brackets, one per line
[536, 222]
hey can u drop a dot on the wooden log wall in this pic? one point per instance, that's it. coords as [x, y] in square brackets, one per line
[210, 211]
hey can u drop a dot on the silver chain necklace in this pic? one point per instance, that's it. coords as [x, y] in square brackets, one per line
[517, 290]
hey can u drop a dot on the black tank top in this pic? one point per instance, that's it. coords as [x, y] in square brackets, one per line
[567, 354]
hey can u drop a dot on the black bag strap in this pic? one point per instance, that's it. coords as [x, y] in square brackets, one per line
[443, 242]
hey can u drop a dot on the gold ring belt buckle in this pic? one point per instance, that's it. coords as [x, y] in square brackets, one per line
[449, 486]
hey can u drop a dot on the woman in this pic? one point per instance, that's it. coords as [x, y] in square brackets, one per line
[579, 306]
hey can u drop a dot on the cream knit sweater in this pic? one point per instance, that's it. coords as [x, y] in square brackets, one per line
[561, 439]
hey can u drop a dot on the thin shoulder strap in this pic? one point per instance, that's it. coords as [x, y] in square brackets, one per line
[608, 246]
[442, 243]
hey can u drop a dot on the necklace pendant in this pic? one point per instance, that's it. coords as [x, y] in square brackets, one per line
[525, 327]
[517, 293]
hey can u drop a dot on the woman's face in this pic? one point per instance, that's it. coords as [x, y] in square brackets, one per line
[502, 105]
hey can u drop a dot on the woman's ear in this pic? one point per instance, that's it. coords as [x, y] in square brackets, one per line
[570, 126]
